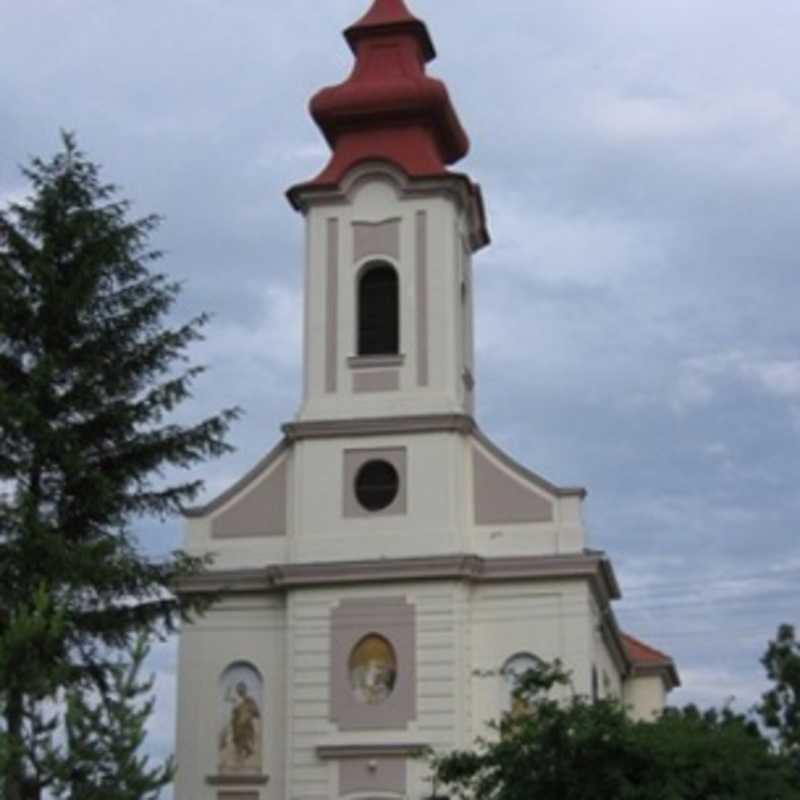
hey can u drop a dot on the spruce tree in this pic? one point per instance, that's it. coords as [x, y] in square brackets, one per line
[105, 733]
[90, 371]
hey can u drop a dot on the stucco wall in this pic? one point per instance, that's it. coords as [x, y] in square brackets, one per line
[645, 696]
[435, 322]
[251, 630]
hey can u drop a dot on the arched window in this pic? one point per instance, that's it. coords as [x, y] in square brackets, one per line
[510, 673]
[378, 311]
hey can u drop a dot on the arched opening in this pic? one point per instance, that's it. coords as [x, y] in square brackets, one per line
[378, 311]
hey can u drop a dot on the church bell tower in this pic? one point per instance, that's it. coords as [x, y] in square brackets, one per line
[385, 570]
[390, 236]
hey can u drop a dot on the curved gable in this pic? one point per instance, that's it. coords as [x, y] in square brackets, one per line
[506, 493]
[254, 506]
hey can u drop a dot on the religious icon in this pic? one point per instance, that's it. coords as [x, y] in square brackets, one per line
[241, 732]
[373, 669]
[513, 670]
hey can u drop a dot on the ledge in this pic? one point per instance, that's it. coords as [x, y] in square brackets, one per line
[413, 749]
[365, 362]
[237, 780]
[379, 426]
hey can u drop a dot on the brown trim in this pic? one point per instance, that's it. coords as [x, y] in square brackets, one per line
[376, 381]
[421, 241]
[252, 475]
[332, 307]
[237, 780]
[464, 567]
[411, 750]
[367, 362]
[524, 472]
[379, 426]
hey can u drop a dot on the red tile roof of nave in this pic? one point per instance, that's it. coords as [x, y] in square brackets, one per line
[642, 654]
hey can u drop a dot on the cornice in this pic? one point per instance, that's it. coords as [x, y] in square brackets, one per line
[379, 426]
[411, 749]
[593, 566]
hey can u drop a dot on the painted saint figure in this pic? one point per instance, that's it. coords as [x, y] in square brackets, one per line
[373, 669]
[240, 739]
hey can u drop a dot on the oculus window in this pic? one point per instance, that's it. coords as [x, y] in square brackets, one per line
[379, 311]
[377, 484]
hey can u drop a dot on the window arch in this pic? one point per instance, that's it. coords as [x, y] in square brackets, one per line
[378, 311]
[510, 673]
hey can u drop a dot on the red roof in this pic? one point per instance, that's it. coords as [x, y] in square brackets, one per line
[642, 654]
[389, 109]
[646, 660]
[390, 13]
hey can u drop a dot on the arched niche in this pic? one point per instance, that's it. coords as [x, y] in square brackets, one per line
[514, 667]
[241, 720]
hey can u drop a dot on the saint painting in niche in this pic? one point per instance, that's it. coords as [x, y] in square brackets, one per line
[373, 669]
[240, 737]
[513, 670]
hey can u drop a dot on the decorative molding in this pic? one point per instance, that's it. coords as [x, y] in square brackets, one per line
[237, 780]
[376, 381]
[332, 307]
[457, 186]
[593, 566]
[353, 460]
[366, 362]
[499, 497]
[394, 749]
[524, 472]
[421, 237]
[394, 620]
[379, 426]
[376, 239]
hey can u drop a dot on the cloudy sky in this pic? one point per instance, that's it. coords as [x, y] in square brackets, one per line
[637, 314]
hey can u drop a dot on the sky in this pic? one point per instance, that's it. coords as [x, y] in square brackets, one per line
[636, 314]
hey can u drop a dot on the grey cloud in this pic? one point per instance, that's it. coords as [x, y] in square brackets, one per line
[637, 324]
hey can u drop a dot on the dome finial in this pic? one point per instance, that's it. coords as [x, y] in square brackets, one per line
[390, 16]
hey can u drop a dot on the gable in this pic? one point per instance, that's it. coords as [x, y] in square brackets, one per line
[504, 498]
[255, 506]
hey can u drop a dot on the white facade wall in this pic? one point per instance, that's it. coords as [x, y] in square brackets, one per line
[239, 629]
[466, 627]
[645, 696]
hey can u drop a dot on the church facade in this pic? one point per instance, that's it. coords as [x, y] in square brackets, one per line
[385, 571]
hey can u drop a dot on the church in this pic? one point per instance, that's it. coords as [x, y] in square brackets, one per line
[386, 570]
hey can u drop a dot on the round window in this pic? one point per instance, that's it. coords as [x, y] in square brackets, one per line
[377, 485]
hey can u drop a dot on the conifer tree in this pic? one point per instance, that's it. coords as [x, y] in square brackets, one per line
[105, 733]
[90, 371]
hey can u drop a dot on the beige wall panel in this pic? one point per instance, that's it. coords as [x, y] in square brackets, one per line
[645, 696]
[376, 239]
[503, 499]
[231, 632]
[259, 511]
